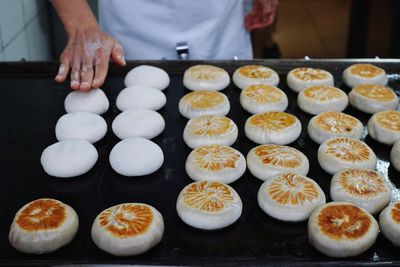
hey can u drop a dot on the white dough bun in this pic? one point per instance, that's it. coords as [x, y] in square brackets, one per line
[136, 156]
[364, 74]
[269, 160]
[209, 130]
[331, 124]
[93, 101]
[219, 163]
[140, 96]
[43, 226]
[254, 74]
[341, 229]
[365, 188]
[290, 197]
[317, 99]
[372, 98]
[138, 122]
[384, 127]
[273, 127]
[301, 78]
[149, 76]
[395, 156]
[205, 77]
[209, 205]
[68, 158]
[81, 125]
[259, 98]
[203, 102]
[389, 223]
[338, 153]
[128, 229]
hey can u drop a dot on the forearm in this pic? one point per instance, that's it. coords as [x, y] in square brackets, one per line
[75, 15]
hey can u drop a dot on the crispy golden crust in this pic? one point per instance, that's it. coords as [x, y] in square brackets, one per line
[309, 74]
[348, 149]
[279, 156]
[262, 94]
[336, 122]
[204, 99]
[362, 183]
[42, 215]
[389, 119]
[396, 213]
[376, 92]
[216, 157]
[323, 93]
[343, 221]
[366, 70]
[255, 72]
[210, 125]
[208, 197]
[293, 190]
[126, 220]
[276, 121]
[205, 72]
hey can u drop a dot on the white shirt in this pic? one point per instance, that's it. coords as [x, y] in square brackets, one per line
[150, 29]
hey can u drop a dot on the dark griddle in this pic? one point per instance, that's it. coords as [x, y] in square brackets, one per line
[30, 105]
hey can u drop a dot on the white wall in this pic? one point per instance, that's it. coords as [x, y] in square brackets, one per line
[24, 30]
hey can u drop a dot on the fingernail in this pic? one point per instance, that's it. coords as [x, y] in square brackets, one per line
[85, 84]
[122, 59]
[74, 83]
[96, 81]
[58, 77]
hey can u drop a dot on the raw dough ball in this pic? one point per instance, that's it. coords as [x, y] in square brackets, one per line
[128, 229]
[365, 188]
[372, 98]
[364, 73]
[136, 156]
[205, 77]
[138, 122]
[140, 96]
[389, 222]
[320, 98]
[384, 126]
[81, 125]
[334, 124]
[395, 155]
[290, 197]
[209, 205]
[68, 158]
[266, 161]
[340, 229]
[259, 98]
[301, 78]
[94, 101]
[148, 76]
[203, 103]
[340, 153]
[208, 130]
[254, 74]
[219, 163]
[43, 226]
[273, 127]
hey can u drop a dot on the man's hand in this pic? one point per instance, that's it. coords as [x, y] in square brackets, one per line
[89, 50]
[262, 14]
[86, 57]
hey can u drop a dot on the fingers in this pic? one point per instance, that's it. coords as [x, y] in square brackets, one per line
[86, 75]
[101, 67]
[118, 54]
[62, 72]
[75, 74]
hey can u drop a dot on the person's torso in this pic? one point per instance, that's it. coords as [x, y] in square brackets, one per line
[150, 29]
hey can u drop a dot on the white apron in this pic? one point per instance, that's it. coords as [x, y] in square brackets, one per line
[150, 29]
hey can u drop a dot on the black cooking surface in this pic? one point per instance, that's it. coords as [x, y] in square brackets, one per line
[30, 105]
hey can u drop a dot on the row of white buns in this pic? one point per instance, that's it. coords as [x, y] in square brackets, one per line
[45, 225]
